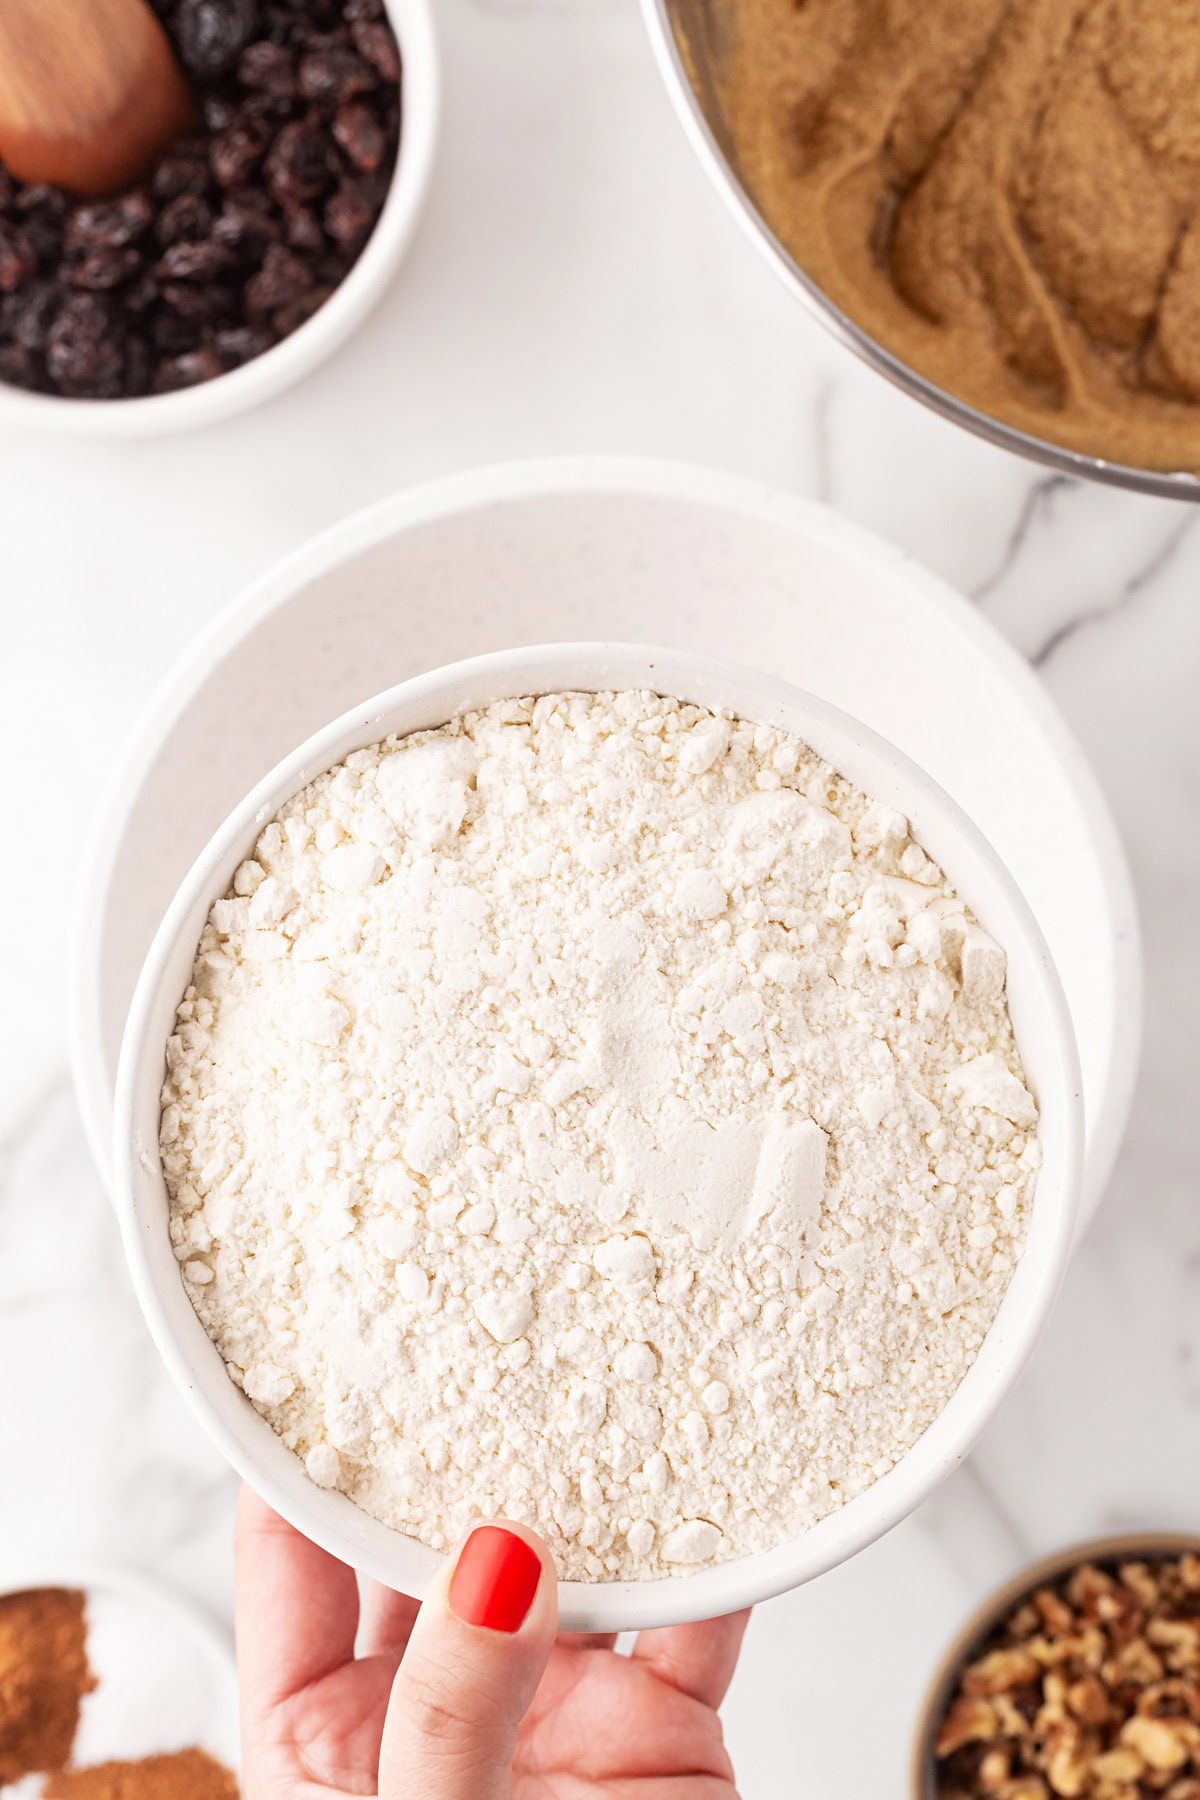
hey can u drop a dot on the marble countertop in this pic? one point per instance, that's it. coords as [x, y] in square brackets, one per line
[577, 286]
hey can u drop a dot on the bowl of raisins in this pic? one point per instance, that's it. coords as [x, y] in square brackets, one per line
[252, 248]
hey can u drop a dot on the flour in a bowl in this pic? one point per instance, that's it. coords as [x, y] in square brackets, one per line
[596, 1111]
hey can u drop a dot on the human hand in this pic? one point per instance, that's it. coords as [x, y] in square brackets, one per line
[437, 1707]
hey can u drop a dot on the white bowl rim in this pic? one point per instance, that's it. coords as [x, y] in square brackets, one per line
[341, 315]
[611, 1605]
[617, 477]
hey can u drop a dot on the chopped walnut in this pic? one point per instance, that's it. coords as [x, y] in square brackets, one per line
[1179, 1638]
[967, 1722]
[1135, 1663]
[1088, 1700]
[1000, 1672]
[1138, 1578]
[1086, 1586]
[1118, 1766]
[1170, 1699]
[1090, 1688]
[1158, 1742]
[994, 1772]
[1057, 1616]
[1011, 1722]
[1068, 1761]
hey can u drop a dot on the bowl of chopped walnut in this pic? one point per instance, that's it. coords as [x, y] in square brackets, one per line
[1080, 1677]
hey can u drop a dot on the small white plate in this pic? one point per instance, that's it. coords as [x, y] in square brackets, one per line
[627, 551]
[165, 1669]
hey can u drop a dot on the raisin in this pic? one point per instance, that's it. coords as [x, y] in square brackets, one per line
[28, 315]
[137, 366]
[302, 231]
[182, 172]
[187, 370]
[280, 281]
[20, 367]
[141, 294]
[236, 154]
[202, 304]
[376, 43]
[349, 216]
[330, 77]
[301, 165]
[267, 68]
[40, 197]
[172, 333]
[194, 262]
[18, 258]
[85, 354]
[46, 236]
[359, 135]
[240, 344]
[245, 230]
[210, 35]
[219, 113]
[291, 318]
[105, 269]
[110, 224]
[187, 218]
[375, 187]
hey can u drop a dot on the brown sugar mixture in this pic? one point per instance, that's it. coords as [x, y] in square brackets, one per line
[1090, 1687]
[1004, 193]
[44, 1675]
[188, 1775]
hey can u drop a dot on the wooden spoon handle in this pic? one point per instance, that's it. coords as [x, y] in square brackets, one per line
[90, 92]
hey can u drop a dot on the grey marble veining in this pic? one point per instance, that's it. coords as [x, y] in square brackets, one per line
[577, 286]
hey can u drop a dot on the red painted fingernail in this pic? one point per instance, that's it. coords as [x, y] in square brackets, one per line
[496, 1579]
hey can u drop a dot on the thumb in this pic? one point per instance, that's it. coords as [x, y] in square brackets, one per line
[472, 1666]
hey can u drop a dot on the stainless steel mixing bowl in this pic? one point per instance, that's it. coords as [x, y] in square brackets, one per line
[690, 39]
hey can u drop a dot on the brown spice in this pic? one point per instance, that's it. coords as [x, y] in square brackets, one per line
[188, 1775]
[1004, 193]
[44, 1675]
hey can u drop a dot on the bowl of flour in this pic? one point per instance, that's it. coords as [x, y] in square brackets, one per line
[607, 1088]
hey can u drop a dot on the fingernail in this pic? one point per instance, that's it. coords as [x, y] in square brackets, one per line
[495, 1580]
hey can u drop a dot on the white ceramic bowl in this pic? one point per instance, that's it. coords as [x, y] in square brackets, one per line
[1040, 1018]
[320, 336]
[607, 547]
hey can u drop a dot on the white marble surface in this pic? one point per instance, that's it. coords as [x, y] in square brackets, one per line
[577, 287]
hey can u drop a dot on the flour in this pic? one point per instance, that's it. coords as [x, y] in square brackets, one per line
[600, 1112]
